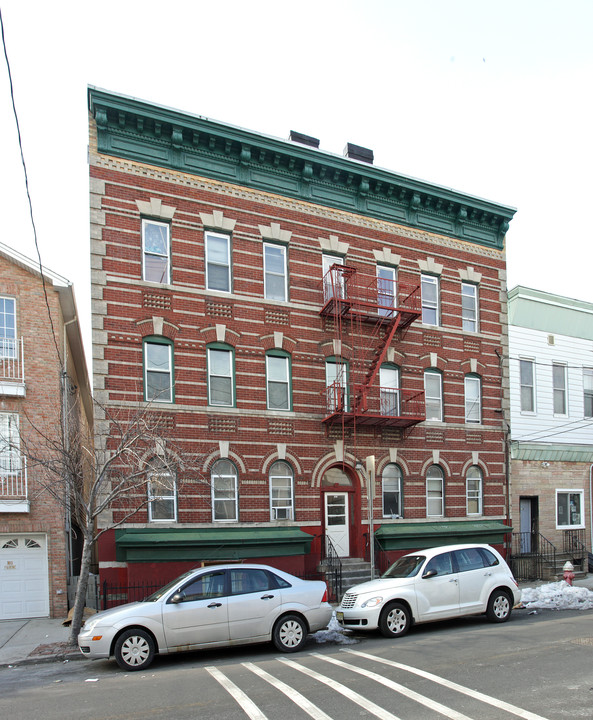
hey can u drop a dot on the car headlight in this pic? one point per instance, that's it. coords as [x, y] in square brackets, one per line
[90, 624]
[372, 602]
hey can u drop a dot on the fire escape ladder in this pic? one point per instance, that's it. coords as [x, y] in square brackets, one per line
[377, 361]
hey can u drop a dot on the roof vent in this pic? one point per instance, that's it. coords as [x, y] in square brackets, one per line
[356, 152]
[303, 139]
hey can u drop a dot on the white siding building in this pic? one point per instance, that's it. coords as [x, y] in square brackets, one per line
[551, 380]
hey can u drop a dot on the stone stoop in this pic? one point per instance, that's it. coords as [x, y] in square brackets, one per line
[354, 571]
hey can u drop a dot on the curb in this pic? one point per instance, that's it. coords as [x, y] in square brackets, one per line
[41, 659]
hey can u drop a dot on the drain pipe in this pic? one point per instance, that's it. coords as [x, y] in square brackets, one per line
[590, 506]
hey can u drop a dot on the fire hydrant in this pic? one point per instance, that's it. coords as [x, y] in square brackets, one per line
[568, 572]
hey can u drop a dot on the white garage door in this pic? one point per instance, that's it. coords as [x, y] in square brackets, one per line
[24, 584]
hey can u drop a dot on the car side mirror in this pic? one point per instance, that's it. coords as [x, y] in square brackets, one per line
[177, 598]
[429, 574]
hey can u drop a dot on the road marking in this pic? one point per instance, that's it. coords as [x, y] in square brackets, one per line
[291, 693]
[501, 704]
[427, 702]
[343, 690]
[246, 703]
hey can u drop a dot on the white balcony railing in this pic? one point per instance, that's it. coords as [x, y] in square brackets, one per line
[13, 478]
[12, 367]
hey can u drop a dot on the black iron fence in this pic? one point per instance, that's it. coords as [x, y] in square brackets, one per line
[113, 595]
[332, 569]
[532, 556]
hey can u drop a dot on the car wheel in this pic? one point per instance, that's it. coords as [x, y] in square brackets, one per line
[290, 633]
[395, 620]
[134, 650]
[499, 607]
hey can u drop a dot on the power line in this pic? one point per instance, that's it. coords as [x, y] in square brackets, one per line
[18, 130]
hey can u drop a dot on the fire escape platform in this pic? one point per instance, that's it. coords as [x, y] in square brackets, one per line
[370, 419]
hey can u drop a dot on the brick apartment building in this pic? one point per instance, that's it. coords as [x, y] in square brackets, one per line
[38, 361]
[294, 315]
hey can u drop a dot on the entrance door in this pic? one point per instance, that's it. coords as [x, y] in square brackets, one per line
[528, 523]
[336, 522]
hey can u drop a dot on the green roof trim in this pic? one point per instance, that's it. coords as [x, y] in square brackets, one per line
[200, 544]
[556, 314]
[144, 132]
[412, 536]
[552, 452]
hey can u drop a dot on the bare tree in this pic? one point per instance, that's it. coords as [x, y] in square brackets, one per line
[103, 478]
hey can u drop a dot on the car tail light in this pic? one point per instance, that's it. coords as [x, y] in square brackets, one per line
[324, 598]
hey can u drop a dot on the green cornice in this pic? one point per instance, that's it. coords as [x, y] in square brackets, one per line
[163, 137]
[551, 452]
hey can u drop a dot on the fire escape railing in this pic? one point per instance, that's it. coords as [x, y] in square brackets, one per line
[12, 363]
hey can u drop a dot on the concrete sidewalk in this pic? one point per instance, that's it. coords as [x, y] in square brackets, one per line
[45, 640]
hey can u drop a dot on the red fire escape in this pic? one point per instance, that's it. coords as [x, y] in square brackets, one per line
[368, 313]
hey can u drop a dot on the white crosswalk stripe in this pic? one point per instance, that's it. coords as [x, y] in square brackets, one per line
[244, 701]
[501, 704]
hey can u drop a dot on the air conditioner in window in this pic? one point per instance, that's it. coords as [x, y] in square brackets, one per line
[281, 513]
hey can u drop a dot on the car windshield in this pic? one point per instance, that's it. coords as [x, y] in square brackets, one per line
[158, 594]
[405, 567]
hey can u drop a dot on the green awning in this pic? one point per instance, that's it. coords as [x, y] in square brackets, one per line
[412, 536]
[207, 544]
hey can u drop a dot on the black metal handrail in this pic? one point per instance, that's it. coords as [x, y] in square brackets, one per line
[333, 568]
[574, 543]
[531, 552]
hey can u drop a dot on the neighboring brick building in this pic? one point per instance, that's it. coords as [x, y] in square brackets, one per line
[37, 359]
[551, 362]
[286, 309]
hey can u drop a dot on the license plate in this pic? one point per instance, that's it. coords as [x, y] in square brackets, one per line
[340, 617]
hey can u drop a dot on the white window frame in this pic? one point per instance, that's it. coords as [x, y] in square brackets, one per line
[208, 235]
[435, 496]
[560, 392]
[588, 392]
[473, 405]
[525, 386]
[8, 342]
[225, 495]
[281, 508]
[268, 273]
[286, 381]
[339, 374]
[389, 390]
[430, 306]
[163, 396]
[328, 290]
[474, 495]
[391, 484]
[386, 290]
[165, 278]
[157, 492]
[434, 398]
[469, 307]
[230, 376]
[581, 495]
[10, 444]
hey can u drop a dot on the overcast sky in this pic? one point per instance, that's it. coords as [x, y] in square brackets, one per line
[491, 97]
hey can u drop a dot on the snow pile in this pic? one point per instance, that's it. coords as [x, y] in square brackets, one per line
[557, 596]
[334, 633]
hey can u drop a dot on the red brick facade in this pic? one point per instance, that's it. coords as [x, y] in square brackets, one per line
[128, 309]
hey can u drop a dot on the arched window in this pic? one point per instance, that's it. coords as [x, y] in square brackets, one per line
[473, 399]
[473, 490]
[435, 491]
[281, 491]
[278, 388]
[225, 491]
[392, 491]
[159, 378]
[162, 496]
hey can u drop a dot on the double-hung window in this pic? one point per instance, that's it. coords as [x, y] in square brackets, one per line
[527, 385]
[221, 381]
[569, 509]
[336, 383]
[559, 383]
[473, 491]
[392, 491]
[473, 399]
[225, 496]
[162, 498]
[275, 272]
[435, 491]
[278, 381]
[8, 327]
[386, 290]
[389, 390]
[158, 370]
[433, 395]
[469, 307]
[333, 280]
[430, 299]
[10, 442]
[588, 391]
[281, 491]
[218, 261]
[156, 251]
